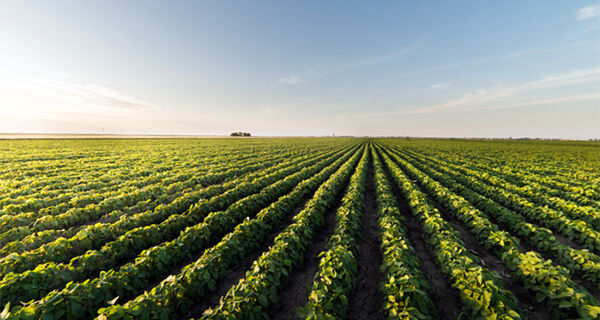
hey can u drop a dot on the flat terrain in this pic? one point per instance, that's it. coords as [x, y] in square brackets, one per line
[317, 228]
[21, 136]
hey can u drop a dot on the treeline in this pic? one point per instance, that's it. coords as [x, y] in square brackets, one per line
[240, 134]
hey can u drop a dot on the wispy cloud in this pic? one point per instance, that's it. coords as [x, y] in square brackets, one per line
[537, 102]
[508, 96]
[506, 56]
[497, 97]
[314, 73]
[270, 110]
[291, 78]
[588, 12]
[444, 85]
[407, 74]
[86, 93]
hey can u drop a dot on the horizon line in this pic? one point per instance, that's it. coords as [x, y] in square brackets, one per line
[66, 135]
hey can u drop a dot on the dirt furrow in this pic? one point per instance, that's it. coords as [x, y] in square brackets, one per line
[239, 270]
[525, 246]
[294, 292]
[365, 299]
[445, 298]
[526, 299]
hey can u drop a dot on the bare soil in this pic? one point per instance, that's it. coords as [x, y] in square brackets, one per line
[239, 270]
[567, 241]
[526, 246]
[526, 299]
[365, 298]
[445, 298]
[294, 293]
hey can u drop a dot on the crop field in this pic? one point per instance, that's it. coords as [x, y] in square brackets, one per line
[288, 228]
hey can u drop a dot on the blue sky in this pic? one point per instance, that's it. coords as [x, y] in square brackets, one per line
[451, 69]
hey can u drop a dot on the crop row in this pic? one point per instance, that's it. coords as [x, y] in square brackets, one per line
[404, 286]
[582, 262]
[44, 277]
[123, 194]
[258, 289]
[585, 213]
[337, 269]
[167, 239]
[523, 178]
[550, 283]
[134, 275]
[60, 200]
[27, 238]
[576, 230]
[176, 295]
[482, 293]
[92, 212]
[94, 188]
[96, 173]
[568, 168]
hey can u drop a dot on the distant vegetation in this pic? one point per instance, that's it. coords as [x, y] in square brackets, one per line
[240, 134]
[431, 229]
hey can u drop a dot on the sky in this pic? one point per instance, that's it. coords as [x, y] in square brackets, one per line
[493, 69]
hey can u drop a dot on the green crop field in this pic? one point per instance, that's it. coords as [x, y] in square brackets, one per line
[284, 228]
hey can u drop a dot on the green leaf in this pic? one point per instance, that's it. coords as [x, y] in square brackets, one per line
[6, 312]
[112, 302]
[262, 299]
[593, 311]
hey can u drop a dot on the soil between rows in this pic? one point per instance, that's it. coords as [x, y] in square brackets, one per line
[566, 241]
[239, 270]
[526, 299]
[294, 293]
[526, 246]
[177, 269]
[365, 298]
[445, 298]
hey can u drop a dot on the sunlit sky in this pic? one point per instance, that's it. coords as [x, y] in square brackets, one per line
[403, 68]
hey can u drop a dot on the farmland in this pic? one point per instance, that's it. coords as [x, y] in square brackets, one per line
[317, 228]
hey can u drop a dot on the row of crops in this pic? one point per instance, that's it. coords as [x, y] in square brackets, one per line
[319, 228]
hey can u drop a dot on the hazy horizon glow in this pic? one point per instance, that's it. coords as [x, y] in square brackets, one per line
[478, 69]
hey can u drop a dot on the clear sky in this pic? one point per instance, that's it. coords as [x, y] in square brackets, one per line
[408, 68]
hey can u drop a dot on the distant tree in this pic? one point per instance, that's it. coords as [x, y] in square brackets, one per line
[240, 134]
